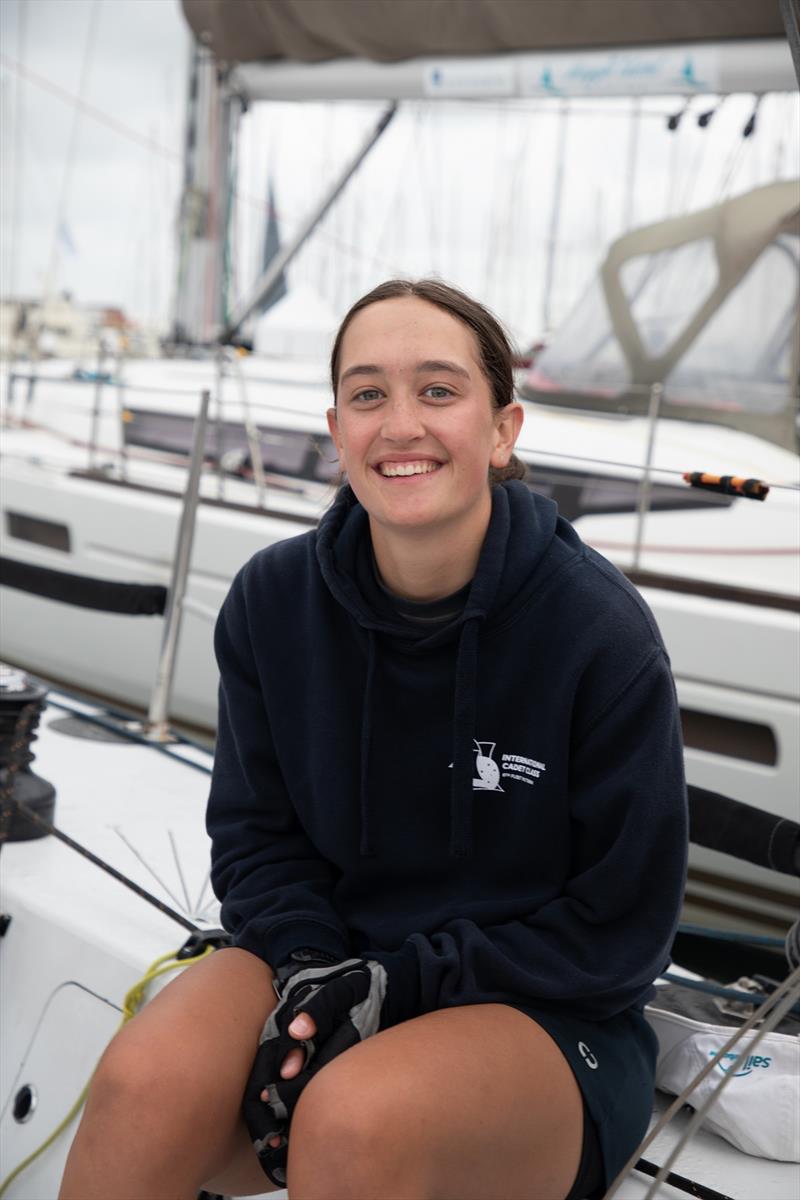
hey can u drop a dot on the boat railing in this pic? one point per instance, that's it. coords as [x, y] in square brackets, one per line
[135, 598]
[108, 377]
[244, 408]
[157, 725]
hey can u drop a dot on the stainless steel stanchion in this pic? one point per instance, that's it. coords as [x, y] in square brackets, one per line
[156, 728]
[645, 486]
[98, 401]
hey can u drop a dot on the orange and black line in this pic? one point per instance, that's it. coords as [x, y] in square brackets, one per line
[730, 485]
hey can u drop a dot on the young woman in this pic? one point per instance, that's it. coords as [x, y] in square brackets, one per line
[448, 812]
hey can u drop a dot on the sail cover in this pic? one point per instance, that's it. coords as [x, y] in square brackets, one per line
[313, 31]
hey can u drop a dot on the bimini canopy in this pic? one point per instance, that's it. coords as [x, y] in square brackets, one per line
[392, 30]
[705, 304]
[464, 48]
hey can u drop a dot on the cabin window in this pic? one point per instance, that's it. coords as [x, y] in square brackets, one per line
[747, 740]
[585, 495]
[52, 534]
[282, 450]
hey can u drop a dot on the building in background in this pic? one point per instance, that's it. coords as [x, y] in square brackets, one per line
[61, 328]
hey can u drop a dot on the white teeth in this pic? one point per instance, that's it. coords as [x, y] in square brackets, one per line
[417, 468]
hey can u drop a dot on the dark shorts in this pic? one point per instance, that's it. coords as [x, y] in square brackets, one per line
[614, 1064]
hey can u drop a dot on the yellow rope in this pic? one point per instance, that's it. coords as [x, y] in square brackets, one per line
[130, 1006]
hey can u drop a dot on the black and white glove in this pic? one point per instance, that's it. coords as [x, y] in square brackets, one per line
[344, 1001]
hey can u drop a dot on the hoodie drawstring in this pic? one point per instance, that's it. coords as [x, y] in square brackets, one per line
[463, 740]
[464, 705]
[366, 737]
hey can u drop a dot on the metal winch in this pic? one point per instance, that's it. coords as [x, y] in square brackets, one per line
[21, 704]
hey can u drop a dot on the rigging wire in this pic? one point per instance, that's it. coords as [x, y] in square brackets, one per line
[17, 151]
[69, 162]
[333, 239]
[90, 110]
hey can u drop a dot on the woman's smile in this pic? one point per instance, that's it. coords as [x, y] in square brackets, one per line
[400, 469]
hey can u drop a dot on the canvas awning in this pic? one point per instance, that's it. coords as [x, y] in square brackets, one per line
[468, 49]
[706, 304]
[312, 31]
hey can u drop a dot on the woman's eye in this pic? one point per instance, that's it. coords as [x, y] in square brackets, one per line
[438, 392]
[367, 395]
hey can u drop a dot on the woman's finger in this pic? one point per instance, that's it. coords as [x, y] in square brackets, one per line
[293, 1064]
[303, 1026]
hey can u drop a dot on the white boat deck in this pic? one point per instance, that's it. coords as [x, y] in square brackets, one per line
[78, 940]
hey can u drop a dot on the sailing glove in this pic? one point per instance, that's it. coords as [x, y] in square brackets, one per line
[344, 1000]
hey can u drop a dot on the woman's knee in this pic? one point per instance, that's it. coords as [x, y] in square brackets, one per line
[200, 1030]
[351, 1132]
[133, 1071]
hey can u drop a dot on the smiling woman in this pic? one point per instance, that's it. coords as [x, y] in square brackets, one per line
[448, 823]
[424, 421]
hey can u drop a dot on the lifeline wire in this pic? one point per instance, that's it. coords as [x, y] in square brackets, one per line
[716, 989]
[788, 987]
[133, 736]
[179, 460]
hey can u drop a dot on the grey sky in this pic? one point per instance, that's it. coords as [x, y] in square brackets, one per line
[463, 190]
[120, 199]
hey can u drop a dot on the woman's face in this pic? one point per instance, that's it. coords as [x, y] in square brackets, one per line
[414, 423]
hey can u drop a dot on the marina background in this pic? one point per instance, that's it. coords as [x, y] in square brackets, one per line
[513, 200]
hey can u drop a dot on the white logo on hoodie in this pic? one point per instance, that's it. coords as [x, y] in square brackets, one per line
[488, 772]
[488, 777]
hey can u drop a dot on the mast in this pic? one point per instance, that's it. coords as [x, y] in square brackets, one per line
[201, 292]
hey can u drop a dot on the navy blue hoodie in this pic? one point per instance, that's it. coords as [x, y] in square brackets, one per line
[495, 809]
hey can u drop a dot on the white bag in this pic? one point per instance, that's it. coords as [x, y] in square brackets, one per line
[759, 1110]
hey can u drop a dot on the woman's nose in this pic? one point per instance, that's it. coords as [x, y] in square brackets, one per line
[402, 421]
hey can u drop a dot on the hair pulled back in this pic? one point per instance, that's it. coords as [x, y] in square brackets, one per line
[494, 348]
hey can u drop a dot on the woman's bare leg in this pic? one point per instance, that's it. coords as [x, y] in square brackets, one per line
[163, 1113]
[475, 1102]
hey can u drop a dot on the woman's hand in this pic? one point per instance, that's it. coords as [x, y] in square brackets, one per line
[302, 1027]
[329, 1008]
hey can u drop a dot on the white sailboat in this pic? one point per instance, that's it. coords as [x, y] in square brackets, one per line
[77, 940]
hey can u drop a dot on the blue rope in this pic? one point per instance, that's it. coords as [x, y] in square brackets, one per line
[132, 736]
[716, 989]
[729, 935]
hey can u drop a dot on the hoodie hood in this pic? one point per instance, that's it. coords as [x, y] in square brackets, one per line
[521, 530]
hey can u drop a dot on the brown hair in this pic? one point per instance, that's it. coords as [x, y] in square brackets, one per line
[495, 351]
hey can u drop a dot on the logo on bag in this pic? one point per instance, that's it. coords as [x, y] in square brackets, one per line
[751, 1063]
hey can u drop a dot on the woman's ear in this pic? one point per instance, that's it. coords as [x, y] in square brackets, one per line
[333, 426]
[507, 424]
